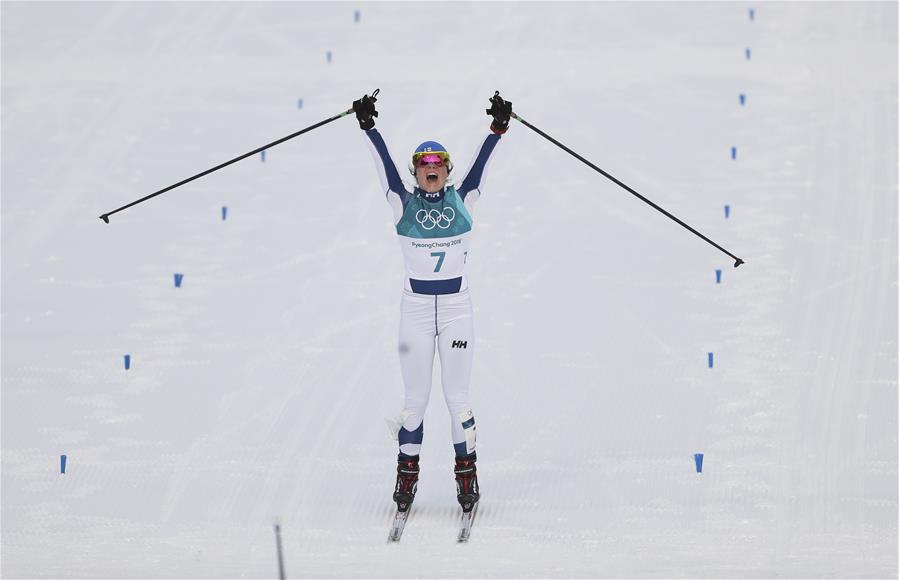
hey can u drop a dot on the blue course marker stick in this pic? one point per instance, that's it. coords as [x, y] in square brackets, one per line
[717, 276]
[224, 212]
[62, 464]
[263, 155]
[328, 56]
[697, 458]
[748, 54]
[127, 361]
[752, 14]
[733, 152]
[178, 279]
[711, 360]
[742, 99]
[726, 211]
[356, 16]
[299, 103]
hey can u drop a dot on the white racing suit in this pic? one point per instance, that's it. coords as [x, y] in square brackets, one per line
[434, 232]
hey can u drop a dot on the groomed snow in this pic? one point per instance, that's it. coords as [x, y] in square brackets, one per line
[258, 390]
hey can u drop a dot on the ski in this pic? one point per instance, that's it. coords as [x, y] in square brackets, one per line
[466, 523]
[396, 529]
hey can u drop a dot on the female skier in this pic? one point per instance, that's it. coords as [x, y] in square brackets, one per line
[434, 223]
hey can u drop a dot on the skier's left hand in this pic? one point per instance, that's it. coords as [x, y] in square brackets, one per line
[501, 111]
[365, 111]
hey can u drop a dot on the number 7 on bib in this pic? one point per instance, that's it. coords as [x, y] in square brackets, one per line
[440, 256]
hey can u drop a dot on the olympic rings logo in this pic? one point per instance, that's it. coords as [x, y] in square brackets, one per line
[429, 219]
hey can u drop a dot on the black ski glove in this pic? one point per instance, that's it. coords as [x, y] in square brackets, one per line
[501, 111]
[365, 111]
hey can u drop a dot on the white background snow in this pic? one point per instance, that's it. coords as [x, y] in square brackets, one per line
[258, 390]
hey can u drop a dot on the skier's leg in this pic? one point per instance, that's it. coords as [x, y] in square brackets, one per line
[416, 350]
[456, 344]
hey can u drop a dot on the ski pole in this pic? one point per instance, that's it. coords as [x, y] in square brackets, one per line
[628, 189]
[281, 575]
[105, 216]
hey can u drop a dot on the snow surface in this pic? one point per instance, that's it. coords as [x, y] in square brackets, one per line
[258, 390]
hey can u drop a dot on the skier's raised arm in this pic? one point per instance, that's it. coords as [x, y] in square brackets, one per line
[473, 183]
[391, 183]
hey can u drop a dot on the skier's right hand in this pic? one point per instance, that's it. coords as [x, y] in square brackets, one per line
[365, 110]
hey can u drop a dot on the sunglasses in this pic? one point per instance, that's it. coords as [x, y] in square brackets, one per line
[430, 159]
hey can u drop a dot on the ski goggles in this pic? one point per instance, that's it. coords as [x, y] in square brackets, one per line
[430, 159]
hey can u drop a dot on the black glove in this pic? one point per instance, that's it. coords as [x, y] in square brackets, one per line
[501, 111]
[365, 110]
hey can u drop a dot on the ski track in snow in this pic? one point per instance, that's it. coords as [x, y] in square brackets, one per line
[258, 389]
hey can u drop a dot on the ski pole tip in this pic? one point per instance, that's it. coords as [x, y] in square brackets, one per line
[105, 217]
[738, 262]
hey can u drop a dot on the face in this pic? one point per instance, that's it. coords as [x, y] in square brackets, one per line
[431, 177]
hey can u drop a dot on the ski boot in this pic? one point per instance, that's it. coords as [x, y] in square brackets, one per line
[467, 491]
[406, 481]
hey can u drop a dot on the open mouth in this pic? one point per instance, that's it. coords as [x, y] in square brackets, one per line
[432, 177]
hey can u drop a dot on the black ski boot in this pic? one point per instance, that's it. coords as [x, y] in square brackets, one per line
[406, 481]
[467, 489]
